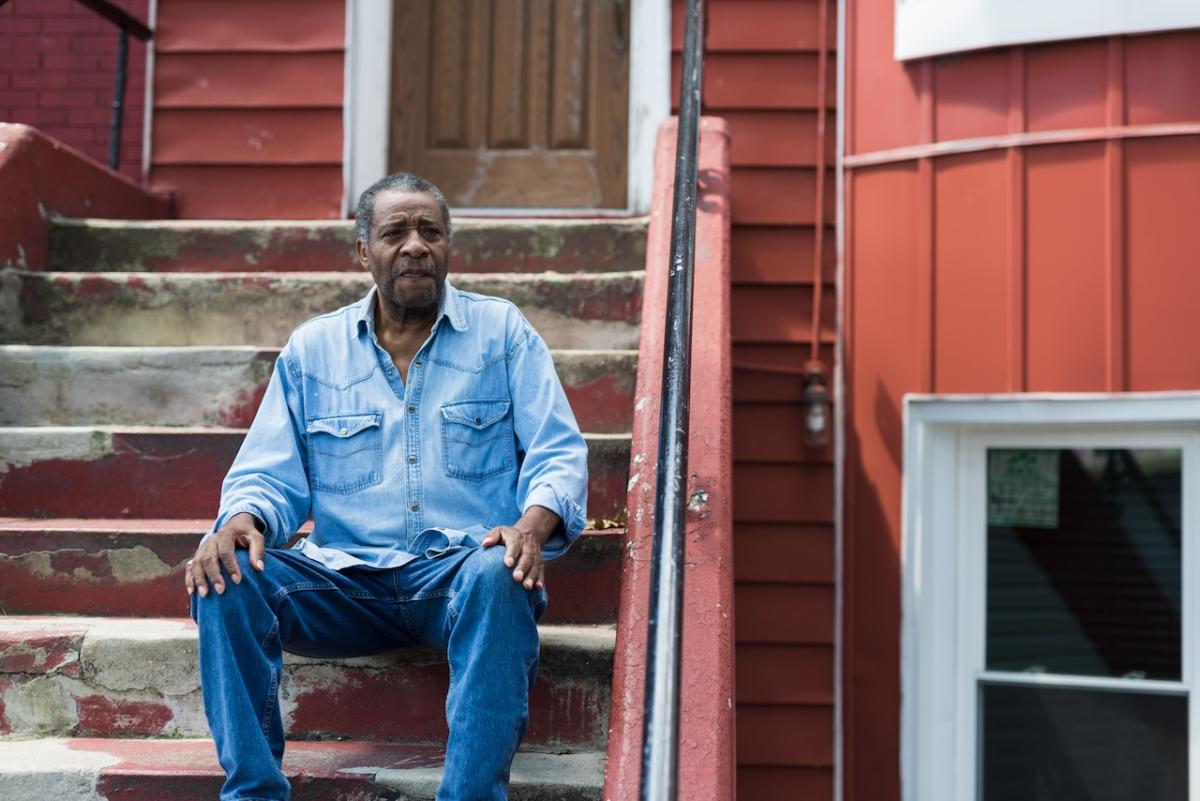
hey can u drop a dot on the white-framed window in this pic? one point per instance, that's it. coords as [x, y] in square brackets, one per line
[1051, 566]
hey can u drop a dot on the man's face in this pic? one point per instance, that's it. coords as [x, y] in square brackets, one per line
[408, 252]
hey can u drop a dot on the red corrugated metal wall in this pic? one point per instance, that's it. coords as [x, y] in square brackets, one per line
[248, 107]
[1021, 266]
[761, 75]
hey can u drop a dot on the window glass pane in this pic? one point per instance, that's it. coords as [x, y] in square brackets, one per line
[1054, 744]
[1083, 561]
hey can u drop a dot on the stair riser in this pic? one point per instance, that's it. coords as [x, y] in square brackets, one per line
[93, 769]
[104, 573]
[116, 786]
[588, 312]
[167, 787]
[195, 386]
[63, 684]
[98, 473]
[478, 246]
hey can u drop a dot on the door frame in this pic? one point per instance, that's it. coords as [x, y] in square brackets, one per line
[368, 69]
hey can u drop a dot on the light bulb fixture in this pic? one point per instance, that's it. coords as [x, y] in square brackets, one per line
[816, 406]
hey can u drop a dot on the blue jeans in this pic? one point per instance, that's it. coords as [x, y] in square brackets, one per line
[462, 601]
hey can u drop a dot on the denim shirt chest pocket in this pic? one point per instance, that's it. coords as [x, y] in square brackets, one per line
[477, 439]
[345, 451]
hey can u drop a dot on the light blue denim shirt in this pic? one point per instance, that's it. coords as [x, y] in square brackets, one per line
[387, 470]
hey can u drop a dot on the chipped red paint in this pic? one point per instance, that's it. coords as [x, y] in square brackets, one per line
[107, 717]
[583, 583]
[163, 474]
[40, 652]
[707, 688]
[138, 284]
[40, 176]
[480, 246]
[406, 702]
[165, 770]
[239, 413]
[96, 290]
[176, 474]
[602, 405]
[5, 725]
[93, 565]
[258, 281]
[24, 591]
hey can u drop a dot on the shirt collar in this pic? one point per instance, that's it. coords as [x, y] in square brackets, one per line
[451, 308]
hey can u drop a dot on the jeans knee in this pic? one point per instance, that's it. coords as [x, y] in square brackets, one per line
[486, 577]
[234, 595]
[485, 568]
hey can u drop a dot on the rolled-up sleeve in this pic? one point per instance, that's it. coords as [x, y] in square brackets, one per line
[269, 477]
[554, 471]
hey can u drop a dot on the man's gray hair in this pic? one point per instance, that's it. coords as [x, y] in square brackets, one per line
[364, 213]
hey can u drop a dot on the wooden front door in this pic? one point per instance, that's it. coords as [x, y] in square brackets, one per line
[513, 103]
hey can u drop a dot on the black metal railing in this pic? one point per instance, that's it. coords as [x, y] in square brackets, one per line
[660, 735]
[128, 24]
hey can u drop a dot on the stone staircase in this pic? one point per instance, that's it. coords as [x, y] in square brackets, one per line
[128, 374]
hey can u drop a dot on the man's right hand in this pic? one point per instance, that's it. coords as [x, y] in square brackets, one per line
[220, 549]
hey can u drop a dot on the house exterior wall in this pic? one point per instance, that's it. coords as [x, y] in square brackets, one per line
[1059, 255]
[247, 118]
[761, 75]
[57, 63]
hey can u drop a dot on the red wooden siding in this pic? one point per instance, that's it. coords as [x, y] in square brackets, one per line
[236, 146]
[1064, 267]
[761, 75]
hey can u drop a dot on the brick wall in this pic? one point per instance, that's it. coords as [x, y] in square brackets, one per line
[57, 63]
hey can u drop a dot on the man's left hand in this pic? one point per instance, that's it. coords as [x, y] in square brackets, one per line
[523, 542]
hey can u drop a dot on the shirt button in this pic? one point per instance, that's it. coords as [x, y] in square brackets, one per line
[416, 507]
[478, 421]
[412, 409]
[344, 431]
[391, 373]
[412, 460]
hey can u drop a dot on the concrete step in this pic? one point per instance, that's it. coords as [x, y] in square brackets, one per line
[571, 311]
[135, 567]
[197, 386]
[110, 677]
[91, 769]
[479, 245]
[115, 471]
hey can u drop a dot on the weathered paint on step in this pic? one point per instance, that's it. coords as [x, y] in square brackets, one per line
[140, 678]
[92, 769]
[479, 245]
[535, 777]
[111, 471]
[578, 310]
[192, 386]
[135, 567]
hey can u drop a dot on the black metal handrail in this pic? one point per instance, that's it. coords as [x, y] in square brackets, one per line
[128, 24]
[660, 734]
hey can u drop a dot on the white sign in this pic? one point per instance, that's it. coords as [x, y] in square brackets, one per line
[930, 27]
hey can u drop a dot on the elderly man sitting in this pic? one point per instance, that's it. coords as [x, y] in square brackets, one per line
[426, 433]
